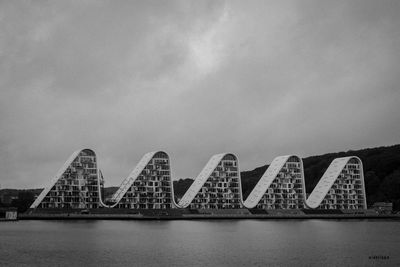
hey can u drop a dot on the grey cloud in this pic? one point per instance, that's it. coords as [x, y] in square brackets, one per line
[193, 78]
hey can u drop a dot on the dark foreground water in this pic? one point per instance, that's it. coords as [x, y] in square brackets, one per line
[200, 243]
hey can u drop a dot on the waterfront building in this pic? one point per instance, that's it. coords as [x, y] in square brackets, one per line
[341, 186]
[148, 186]
[8, 214]
[217, 186]
[280, 187]
[77, 185]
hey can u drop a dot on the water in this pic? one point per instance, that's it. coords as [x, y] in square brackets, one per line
[200, 243]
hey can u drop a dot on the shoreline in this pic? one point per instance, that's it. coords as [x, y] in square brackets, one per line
[206, 217]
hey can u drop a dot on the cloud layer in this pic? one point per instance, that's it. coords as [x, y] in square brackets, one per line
[193, 78]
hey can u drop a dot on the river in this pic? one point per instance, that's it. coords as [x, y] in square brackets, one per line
[200, 243]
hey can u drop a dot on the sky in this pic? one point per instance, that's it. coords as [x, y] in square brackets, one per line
[258, 79]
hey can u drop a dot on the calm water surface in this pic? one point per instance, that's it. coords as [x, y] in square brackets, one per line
[200, 243]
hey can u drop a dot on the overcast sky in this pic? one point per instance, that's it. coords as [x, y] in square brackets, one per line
[193, 78]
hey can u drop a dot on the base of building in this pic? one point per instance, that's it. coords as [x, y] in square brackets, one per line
[187, 214]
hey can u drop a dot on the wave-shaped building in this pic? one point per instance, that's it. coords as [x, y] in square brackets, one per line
[217, 186]
[148, 186]
[280, 187]
[341, 186]
[77, 185]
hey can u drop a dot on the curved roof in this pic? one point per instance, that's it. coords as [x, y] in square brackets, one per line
[58, 176]
[327, 180]
[266, 180]
[201, 179]
[127, 183]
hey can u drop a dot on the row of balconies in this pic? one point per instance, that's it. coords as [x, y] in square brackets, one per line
[145, 206]
[215, 200]
[207, 200]
[69, 199]
[213, 206]
[145, 201]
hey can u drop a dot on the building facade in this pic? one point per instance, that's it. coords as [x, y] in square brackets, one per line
[341, 186]
[281, 186]
[77, 185]
[148, 186]
[217, 186]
